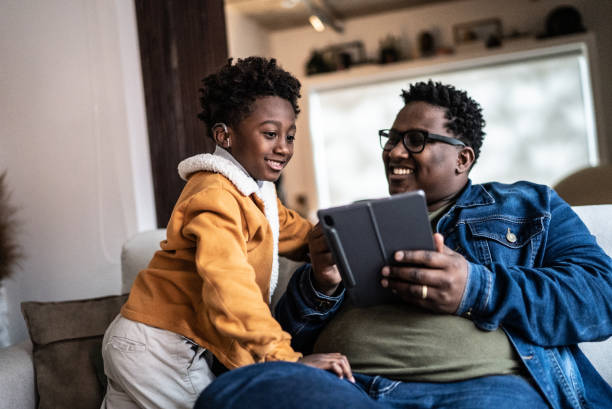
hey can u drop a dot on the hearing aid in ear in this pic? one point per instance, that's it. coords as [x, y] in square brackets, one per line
[226, 138]
[219, 124]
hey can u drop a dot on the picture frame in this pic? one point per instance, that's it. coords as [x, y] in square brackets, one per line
[477, 31]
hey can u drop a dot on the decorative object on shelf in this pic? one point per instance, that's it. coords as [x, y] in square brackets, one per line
[317, 64]
[389, 50]
[563, 20]
[487, 31]
[427, 44]
[336, 57]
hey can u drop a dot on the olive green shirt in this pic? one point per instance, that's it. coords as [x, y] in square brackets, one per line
[403, 342]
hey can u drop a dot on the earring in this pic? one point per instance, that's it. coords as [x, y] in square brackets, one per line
[227, 142]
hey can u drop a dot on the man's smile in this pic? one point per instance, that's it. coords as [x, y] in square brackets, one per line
[396, 170]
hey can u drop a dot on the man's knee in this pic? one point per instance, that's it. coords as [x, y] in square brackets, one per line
[282, 384]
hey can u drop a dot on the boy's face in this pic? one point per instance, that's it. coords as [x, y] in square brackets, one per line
[263, 141]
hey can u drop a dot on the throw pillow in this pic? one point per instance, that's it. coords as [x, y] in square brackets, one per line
[67, 342]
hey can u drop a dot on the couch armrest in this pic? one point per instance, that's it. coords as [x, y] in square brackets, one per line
[599, 354]
[17, 377]
[136, 254]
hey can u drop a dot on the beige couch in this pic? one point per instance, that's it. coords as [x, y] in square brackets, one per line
[82, 322]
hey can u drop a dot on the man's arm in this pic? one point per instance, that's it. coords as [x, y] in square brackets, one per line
[565, 300]
[303, 311]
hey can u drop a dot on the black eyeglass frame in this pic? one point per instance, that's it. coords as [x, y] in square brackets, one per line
[385, 133]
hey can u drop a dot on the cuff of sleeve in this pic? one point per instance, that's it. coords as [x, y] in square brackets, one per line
[477, 291]
[318, 301]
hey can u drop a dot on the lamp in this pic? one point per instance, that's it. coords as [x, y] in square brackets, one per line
[321, 16]
[316, 23]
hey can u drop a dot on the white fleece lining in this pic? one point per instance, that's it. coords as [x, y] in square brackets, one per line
[219, 163]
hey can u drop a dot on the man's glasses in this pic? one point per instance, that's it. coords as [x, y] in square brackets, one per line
[414, 140]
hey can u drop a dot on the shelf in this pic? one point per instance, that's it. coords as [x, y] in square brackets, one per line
[466, 57]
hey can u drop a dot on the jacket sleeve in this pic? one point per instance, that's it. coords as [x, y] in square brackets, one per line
[563, 300]
[293, 233]
[303, 311]
[232, 306]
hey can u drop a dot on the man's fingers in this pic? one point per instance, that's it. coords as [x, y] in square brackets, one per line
[416, 275]
[438, 242]
[427, 258]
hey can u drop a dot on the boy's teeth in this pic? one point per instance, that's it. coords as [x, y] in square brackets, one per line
[402, 171]
[275, 164]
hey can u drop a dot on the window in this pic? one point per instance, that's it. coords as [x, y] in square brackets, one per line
[538, 109]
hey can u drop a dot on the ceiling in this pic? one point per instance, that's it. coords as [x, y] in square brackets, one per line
[281, 14]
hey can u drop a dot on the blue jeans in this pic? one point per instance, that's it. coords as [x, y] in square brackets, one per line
[292, 385]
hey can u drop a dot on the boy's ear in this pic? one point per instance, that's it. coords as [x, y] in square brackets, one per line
[221, 135]
[465, 159]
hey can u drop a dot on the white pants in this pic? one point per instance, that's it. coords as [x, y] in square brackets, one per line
[148, 367]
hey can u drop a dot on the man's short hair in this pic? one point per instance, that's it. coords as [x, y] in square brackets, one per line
[464, 114]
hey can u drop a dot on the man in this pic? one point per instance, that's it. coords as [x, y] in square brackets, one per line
[490, 319]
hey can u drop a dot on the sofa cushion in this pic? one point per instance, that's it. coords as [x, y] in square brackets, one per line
[67, 339]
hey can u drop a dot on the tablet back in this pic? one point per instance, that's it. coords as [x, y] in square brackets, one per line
[363, 237]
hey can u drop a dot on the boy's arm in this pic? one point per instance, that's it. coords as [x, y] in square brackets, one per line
[232, 311]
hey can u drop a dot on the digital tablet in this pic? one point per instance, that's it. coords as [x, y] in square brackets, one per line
[364, 236]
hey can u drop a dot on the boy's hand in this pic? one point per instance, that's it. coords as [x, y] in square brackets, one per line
[333, 362]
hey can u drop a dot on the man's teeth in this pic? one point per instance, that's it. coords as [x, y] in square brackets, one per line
[402, 171]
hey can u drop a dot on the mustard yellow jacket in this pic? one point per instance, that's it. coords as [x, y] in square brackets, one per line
[213, 277]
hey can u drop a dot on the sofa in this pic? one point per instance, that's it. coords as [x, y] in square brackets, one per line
[61, 367]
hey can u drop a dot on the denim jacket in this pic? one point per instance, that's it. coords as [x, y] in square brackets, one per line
[534, 270]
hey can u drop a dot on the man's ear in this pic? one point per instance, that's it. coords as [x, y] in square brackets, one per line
[221, 135]
[465, 159]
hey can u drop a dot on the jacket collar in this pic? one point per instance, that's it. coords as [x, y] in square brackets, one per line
[474, 195]
[224, 163]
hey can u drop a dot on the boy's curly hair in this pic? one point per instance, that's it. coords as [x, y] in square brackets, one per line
[463, 113]
[228, 95]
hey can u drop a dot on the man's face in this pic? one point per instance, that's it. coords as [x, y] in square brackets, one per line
[435, 169]
[263, 141]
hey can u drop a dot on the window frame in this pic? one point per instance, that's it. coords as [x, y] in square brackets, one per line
[512, 52]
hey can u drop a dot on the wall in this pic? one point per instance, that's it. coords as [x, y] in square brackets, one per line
[244, 36]
[522, 15]
[73, 140]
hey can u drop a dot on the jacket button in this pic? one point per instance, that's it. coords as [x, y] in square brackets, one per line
[511, 237]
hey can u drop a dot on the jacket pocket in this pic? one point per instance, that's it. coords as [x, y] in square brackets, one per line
[507, 240]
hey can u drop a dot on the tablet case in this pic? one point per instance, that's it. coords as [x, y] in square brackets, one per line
[364, 236]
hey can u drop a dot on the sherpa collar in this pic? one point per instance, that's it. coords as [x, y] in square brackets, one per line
[223, 163]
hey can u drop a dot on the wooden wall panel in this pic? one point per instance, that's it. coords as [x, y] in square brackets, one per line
[181, 41]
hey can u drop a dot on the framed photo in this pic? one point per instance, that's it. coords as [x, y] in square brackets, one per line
[480, 31]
